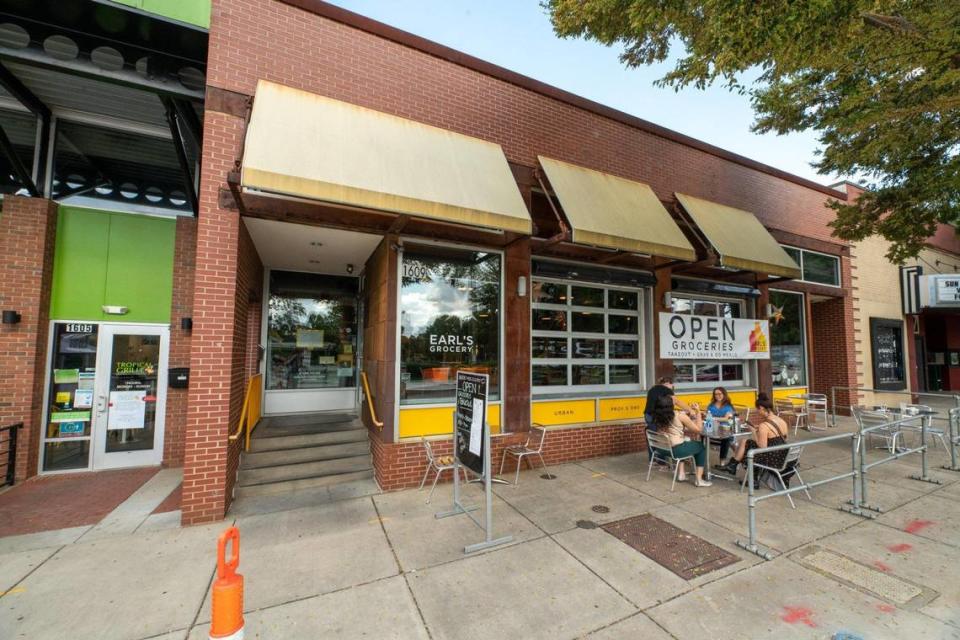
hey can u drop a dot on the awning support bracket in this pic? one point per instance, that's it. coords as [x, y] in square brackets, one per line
[564, 235]
[36, 106]
[23, 174]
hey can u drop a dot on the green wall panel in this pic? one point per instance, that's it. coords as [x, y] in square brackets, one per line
[112, 258]
[195, 12]
[80, 264]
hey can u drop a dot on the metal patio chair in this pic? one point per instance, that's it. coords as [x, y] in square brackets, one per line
[913, 426]
[787, 469]
[532, 447]
[440, 463]
[659, 443]
[787, 410]
[816, 405]
[874, 417]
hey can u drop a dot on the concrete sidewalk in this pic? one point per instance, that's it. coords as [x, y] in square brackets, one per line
[383, 567]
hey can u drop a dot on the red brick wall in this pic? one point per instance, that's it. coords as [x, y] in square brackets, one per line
[181, 307]
[216, 386]
[401, 465]
[28, 230]
[833, 345]
[299, 49]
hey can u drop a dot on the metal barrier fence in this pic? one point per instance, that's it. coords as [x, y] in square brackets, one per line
[911, 394]
[859, 468]
[954, 425]
[8, 453]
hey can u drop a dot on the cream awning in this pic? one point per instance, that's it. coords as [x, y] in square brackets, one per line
[616, 213]
[739, 238]
[309, 146]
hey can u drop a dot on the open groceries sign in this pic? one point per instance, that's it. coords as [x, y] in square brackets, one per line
[683, 337]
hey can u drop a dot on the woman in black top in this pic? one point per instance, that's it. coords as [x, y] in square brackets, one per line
[770, 431]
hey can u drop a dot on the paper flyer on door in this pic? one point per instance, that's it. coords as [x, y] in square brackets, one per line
[127, 410]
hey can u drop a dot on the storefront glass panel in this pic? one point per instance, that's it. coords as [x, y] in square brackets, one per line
[450, 320]
[605, 346]
[70, 403]
[788, 361]
[708, 373]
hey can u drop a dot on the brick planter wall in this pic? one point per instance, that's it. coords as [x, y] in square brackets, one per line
[401, 465]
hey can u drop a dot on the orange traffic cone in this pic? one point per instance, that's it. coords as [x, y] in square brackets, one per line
[226, 597]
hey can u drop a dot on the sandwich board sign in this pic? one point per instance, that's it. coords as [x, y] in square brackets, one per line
[471, 449]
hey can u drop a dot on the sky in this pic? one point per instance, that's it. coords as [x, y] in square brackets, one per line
[517, 34]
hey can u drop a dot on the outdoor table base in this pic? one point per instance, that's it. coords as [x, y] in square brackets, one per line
[707, 439]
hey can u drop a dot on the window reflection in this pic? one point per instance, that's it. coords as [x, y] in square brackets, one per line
[787, 360]
[449, 321]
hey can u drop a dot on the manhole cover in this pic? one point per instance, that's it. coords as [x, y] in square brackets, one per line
[680, 551]
[877, 582]
[600, 508]
[587, 524]
[548, 476]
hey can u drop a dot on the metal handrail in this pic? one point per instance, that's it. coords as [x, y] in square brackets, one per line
[250, 413]
[10, 465]
[928, 394]
[369, 397]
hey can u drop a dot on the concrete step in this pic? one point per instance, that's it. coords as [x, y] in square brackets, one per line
[303, 470]
[289, 486]
[261, 459]
[279, 443]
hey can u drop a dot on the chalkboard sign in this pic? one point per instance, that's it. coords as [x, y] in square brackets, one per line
[886, 337]
[471, 418]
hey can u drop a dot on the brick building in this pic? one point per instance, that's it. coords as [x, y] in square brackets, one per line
[372, 206]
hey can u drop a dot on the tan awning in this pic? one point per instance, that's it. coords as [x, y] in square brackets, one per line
[739, 238]
[309, 146]
[616, 213]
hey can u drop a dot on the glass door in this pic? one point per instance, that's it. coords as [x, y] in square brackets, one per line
[311, 338]
[130, 396]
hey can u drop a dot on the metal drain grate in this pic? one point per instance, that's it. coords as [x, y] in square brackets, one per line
[681, 552]
[877, 582]
[587, 524]
[600, 508]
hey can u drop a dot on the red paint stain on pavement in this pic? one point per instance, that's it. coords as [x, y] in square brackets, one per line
[883, 566]
[915, 526]
[886, 608]
[902, 547]
[794, 615]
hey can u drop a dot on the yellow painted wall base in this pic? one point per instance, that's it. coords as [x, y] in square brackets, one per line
[784, 394]
[563, 412]
[438, 421]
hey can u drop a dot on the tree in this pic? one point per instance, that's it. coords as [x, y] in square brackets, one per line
[879, 80]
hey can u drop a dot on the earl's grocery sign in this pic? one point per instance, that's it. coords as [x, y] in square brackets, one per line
[706, 337]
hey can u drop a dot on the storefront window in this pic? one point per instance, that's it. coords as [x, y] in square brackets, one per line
[818, 268]
[585, 338]
[788, 361]
[691, 373]
[68, 428]
[450, 321]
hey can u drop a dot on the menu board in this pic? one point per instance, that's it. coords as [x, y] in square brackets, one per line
[471, 418]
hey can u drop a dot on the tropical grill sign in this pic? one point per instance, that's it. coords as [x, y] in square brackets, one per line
[684, 337]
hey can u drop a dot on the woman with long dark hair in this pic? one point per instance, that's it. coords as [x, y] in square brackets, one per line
[770, 431]
[674, 424]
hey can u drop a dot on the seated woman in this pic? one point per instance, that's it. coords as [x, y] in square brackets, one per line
[674, 424]
[769, 432]
[721, 408]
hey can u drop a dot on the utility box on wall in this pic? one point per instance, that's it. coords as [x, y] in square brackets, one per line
[179, 377]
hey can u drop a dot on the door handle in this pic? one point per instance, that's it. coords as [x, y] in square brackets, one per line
[101, 403]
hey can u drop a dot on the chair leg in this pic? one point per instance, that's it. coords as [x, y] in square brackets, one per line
[542, 461]
[783, 486]
[435, 479]
[503, 459]
[676, 470]
[799, 479]
[426, 472]
[650, 466]
[516, 480]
